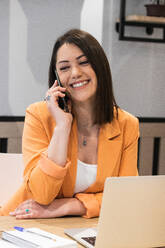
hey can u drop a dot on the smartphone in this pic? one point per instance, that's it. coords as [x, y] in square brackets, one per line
[62, 101]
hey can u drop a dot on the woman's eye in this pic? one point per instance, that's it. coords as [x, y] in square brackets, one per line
[84, 62]
[64, 68]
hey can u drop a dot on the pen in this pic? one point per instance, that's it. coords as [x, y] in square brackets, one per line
[21, 229]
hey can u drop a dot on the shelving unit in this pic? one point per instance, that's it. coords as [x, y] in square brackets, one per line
[150, 23]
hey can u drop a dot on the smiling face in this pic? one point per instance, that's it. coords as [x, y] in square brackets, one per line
[76, 73]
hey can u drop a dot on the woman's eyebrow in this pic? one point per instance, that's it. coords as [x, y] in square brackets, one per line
[82, 55]
[67, 61]
[63, 61]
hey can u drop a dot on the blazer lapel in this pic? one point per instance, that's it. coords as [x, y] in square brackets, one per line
[109, 149]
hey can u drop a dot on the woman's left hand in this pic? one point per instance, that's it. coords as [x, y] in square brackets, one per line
[30, 209]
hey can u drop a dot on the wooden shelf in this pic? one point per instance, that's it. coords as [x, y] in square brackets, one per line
[149, 22]
[145, 19]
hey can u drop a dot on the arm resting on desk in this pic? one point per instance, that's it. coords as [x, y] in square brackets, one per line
[58, 208]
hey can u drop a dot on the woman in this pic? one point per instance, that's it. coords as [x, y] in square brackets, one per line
[68, 155]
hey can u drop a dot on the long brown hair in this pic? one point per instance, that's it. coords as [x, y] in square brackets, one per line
[105, 100]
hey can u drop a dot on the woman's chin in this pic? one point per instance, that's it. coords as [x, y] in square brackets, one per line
[83, 100]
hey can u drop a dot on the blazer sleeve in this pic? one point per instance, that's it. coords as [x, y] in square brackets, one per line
[92, 203]
[128, 165]
[42, 176]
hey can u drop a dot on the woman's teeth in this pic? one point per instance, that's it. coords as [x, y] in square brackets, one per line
[76, 85]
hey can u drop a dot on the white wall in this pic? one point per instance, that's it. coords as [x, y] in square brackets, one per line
[137, 67]
[28, 30]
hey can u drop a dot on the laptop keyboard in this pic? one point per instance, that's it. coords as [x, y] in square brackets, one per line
[90, 240]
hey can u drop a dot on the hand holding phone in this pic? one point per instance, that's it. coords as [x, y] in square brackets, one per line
[62, 100]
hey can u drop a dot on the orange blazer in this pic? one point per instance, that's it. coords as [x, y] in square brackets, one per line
[44, 180]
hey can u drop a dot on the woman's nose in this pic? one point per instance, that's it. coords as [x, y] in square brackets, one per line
[76, 71]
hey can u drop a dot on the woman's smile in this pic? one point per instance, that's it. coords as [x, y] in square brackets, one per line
[80, 84]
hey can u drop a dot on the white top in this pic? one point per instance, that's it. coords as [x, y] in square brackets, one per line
[86, 175]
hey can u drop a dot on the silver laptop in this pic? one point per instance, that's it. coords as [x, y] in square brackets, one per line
[132, 215]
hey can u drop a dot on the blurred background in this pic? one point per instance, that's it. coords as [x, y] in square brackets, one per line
[28, 30]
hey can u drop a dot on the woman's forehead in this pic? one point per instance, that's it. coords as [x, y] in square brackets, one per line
[68, 52]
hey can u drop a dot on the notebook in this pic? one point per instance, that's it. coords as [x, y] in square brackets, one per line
[6, 244]
[35, 237]
[132, 215]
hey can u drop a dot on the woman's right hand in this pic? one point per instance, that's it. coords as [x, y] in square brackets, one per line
[62, 118]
